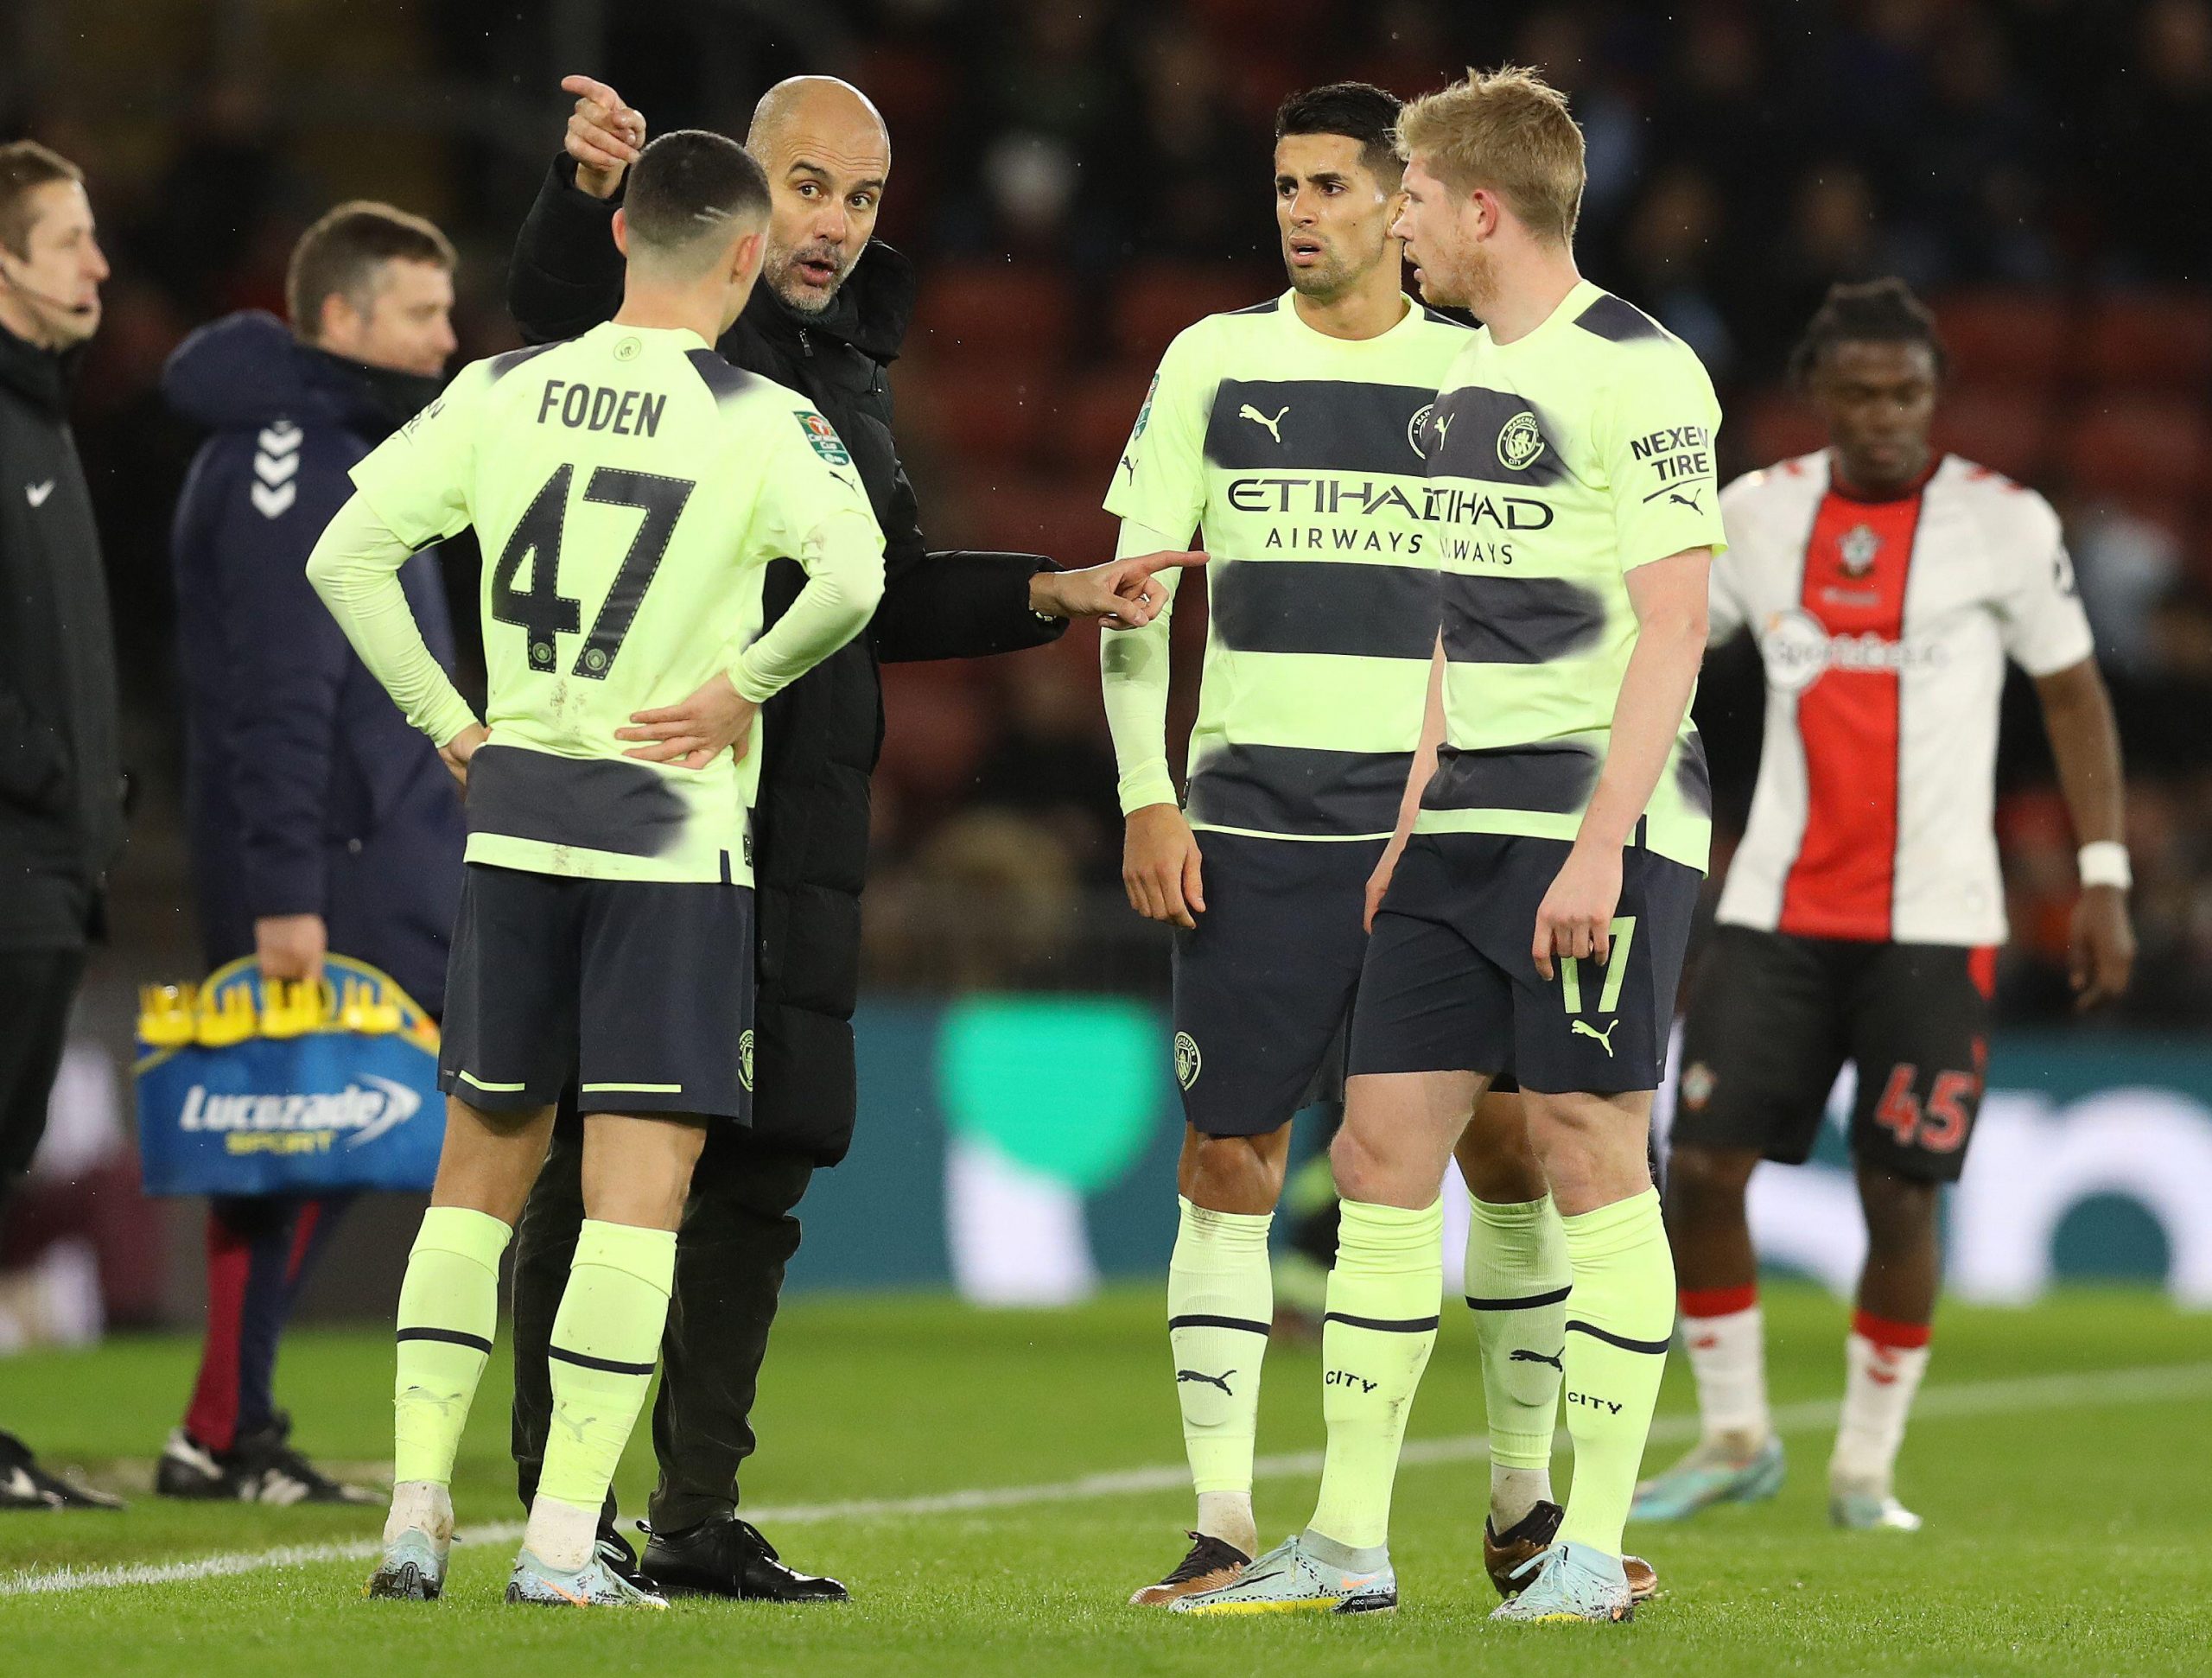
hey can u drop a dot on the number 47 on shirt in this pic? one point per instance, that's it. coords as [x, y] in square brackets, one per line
[541, 611]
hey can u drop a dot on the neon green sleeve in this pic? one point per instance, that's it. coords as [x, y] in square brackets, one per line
[355, 568]
[813, 508]
[1161, 476]
[1656, 436]
[1133, 670]
[843, 559]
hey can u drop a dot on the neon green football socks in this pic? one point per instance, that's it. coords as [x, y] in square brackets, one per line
[1518, 1286]
[448, 1309]
[1618, 1321]
[605, 1343]
[1220, 1308]
[1384, 1296]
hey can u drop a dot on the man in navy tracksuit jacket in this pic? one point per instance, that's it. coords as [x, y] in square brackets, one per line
[319, 819]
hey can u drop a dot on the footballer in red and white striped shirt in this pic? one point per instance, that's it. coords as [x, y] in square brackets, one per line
[1886, 584]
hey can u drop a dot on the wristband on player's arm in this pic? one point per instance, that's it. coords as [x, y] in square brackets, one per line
[2104, 863]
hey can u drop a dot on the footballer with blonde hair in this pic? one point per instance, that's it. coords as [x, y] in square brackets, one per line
[1542, 879]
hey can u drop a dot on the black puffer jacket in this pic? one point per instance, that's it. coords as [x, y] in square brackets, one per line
[60, 778]
[823, 732]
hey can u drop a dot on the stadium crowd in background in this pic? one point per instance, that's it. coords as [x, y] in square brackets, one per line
[2014, 160]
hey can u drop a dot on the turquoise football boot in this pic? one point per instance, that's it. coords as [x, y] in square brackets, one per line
[1568, 1582]
[413, 1569]
[594, 1585]
[1707, 1477]
[1291, 1580]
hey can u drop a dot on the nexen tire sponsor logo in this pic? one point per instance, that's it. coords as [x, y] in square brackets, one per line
[367, 1113]
[1798, 651]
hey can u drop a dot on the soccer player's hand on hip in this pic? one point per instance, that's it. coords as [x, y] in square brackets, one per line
[2103, 946]
[714, 720]
[457, 752]
[1120, 593]
[605, 135]
[1160, 866]
[1576, 917]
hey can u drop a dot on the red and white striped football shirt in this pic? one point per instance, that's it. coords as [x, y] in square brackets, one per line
[1884, 626]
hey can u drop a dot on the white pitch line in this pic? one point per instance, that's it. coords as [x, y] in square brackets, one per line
[1969, 1398]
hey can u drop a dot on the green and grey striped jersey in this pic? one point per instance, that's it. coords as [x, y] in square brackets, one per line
[1557, 464]
[1299, 455]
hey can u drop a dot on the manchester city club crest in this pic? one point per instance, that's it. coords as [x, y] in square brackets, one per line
[745, 1059]
[1416, 426]
[1187, 1059]
[1858, 549]
[1520, 444]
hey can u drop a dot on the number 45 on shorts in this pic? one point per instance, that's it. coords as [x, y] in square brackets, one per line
[1941, 1126]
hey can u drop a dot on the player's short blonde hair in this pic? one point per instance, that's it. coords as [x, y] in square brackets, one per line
[1509, 131]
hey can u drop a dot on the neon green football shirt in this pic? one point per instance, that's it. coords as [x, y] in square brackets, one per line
[1301, 456]
[628, 488]
[1558, 464]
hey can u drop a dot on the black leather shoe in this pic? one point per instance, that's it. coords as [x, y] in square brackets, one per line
[727, 1557]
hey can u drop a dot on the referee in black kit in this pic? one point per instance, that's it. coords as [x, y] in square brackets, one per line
[830, 314]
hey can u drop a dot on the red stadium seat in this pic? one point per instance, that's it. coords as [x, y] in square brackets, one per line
[1154, 303]
[2008, 431]
[994, 312]
[2149, 340]
[2138, 446]
[935, 730]
[1776, 425]
[2011, 338]
[1056, 516]
[1095, 422]
[991, 416]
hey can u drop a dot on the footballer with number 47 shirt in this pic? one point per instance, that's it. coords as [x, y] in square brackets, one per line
[634, 487]
[1886, 585]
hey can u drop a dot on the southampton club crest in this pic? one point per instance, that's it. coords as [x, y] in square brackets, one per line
[1187, 1059]
[1521, 444]
[1858, 548]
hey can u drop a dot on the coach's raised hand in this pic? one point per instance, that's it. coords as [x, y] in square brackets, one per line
[605, 135]
[1120, 592]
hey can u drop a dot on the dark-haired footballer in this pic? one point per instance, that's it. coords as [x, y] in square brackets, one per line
[1886, 585]
[629, 488]
[1292, 432]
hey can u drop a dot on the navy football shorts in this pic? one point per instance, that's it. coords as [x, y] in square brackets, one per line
[640, 990]
[1450, 985]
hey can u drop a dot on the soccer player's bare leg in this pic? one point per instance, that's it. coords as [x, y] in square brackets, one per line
[1886, 1352]
[1221, 1304]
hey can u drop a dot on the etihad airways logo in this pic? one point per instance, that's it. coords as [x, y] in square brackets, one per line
[366, 1113]
[1798, 651]
[1427, 504]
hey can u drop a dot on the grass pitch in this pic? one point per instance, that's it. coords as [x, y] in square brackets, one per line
[993, 1486]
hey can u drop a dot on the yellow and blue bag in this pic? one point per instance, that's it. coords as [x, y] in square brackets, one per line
[252, 1087]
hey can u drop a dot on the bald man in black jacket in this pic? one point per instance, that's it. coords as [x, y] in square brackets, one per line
[828, 318]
